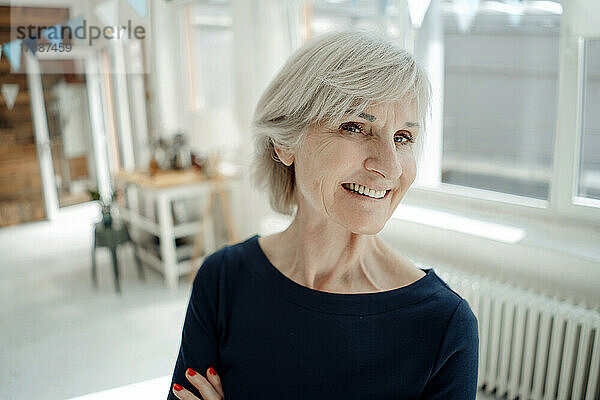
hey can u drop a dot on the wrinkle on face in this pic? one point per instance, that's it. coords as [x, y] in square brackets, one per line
[317, 143]
[331, 242]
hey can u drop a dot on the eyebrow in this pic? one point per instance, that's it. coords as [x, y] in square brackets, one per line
[368, 117]
[372, 118]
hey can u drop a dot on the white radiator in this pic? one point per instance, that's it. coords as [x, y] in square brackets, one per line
[531, 346]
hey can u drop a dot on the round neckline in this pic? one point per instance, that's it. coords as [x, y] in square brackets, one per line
[339, 303]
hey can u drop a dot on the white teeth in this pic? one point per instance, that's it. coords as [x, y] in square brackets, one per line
[376, 194]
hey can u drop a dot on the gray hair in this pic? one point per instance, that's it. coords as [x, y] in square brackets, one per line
[320, 82]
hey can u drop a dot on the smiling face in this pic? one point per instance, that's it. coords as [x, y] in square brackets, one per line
[374, 150]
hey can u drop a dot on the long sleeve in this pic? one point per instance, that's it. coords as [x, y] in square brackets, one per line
[199, 347]
[455, 374]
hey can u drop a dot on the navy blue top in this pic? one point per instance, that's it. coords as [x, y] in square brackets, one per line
[269, 337]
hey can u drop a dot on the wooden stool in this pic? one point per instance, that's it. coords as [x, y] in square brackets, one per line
[113, 237]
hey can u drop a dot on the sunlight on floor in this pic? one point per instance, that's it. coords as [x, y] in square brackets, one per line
[147, 390]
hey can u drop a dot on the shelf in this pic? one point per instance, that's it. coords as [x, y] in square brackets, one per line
[183, 267]
[179, 230]
[187, 229]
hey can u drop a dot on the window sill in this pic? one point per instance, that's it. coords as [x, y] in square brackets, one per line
[569, 239]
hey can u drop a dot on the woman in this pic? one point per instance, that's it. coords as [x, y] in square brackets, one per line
[325, 309]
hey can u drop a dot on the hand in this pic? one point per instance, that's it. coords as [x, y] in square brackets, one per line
[210, 387]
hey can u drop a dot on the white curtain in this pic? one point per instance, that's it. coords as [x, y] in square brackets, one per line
[266, 32]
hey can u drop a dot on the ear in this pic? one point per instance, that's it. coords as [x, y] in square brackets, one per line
[286, 157]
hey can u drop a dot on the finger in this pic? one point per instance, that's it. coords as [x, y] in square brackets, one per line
[205, 388]
[215, 380]
[182, 393]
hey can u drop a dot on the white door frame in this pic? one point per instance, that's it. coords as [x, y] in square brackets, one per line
[40, 122]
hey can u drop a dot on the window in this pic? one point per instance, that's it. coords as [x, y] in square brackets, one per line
[383, 16]
[589, 162]
[332, 16]
[500, 99]
[207, 77]
[209, 44]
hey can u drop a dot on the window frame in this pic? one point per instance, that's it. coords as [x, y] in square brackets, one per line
[564, 200]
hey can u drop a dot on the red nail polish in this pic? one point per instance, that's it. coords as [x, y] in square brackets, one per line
[212, 371]
[191, 372]
[177, 387]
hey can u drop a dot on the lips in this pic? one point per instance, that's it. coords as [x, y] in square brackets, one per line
[373, 186]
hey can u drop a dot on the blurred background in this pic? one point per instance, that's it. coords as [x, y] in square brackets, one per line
[124, 161]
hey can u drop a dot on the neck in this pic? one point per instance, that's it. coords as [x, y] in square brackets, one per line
[322, 254]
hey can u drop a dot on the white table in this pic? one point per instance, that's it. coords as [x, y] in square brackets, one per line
[163, 189]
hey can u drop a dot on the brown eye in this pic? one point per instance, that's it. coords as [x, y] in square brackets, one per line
[352, 127]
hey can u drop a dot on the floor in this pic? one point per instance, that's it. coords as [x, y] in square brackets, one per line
[61, 339]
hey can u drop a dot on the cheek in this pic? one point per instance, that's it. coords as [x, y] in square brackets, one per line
[409, 169]
[317, 166]
[329, 158]
[344, 158]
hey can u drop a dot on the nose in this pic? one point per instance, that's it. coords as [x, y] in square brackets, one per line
[383, 160]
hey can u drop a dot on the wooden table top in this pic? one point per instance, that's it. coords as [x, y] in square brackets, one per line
[163, 179]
